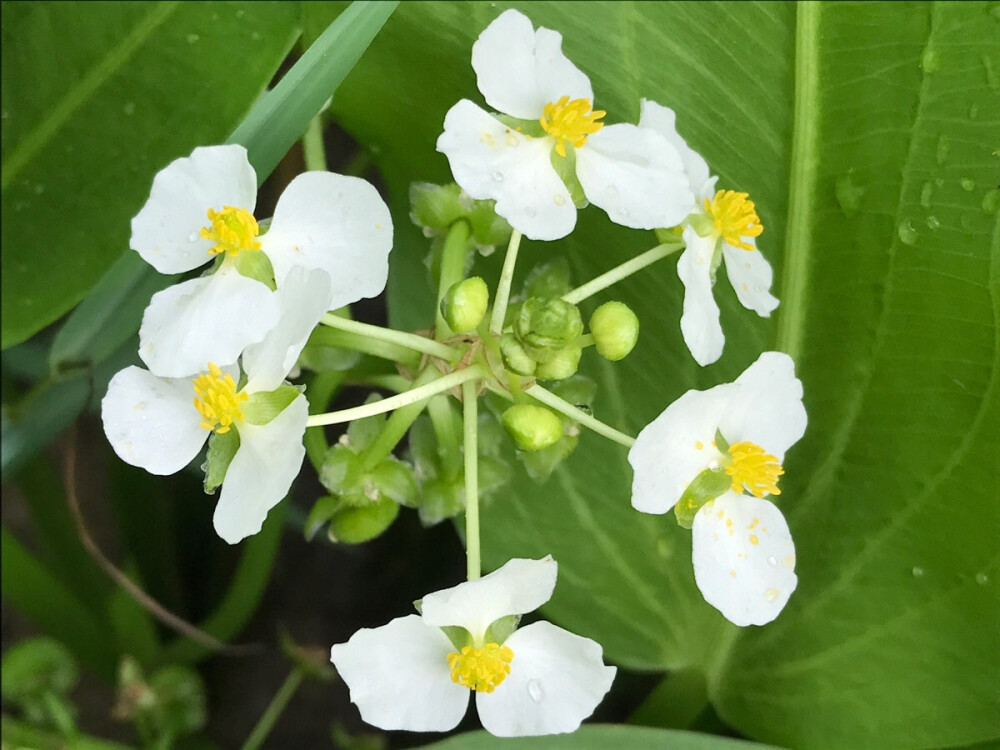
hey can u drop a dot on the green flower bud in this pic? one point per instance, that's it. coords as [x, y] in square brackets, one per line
[532, 427]
[615, 329]
[563, 365]
[353, 525]
[464, 304]
[515, 358]
[546, 326]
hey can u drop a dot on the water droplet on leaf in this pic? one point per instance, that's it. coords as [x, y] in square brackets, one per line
[925, 195]
[943, 147]
[129, 108]
[933, 222]
[848, 194]
[907, 232]
[931, 60]
[991, 201]
[982, 579]
[967, 184]
[917, 572]
[192, 38]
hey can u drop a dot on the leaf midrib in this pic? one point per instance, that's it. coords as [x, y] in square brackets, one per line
[36, 138]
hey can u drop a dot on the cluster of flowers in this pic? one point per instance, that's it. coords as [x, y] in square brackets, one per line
[219, 348]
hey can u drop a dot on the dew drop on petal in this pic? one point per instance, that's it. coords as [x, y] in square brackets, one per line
[535, 691]
[772, 561]
[531, 213]
[512, 140]
[193, 237]
[497, 177]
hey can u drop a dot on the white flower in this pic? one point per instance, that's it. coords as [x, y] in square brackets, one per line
[538, 680]
[635, 175]
[723, 227]
[744, 558]
[201, 207]
[160, 424]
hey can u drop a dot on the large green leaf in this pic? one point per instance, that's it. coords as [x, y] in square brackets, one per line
[96, 98]
[870, 132]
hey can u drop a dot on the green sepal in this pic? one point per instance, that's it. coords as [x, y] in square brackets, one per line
[394, 479]
[356, 525]
[489, 229]
[545, 326]
[254, 264]
[721, 443]
[541, 464]
[563, 365]
[670, 236]
[423, 448]
[530, 128]
[440, 499]
[322, 511]
[221, 449]
[565, 167]
[437, 207]
[515, 358]
[264, 406]
[459, 636]
[341, 471]
[706, 486]
[548, 280]
[500, 630]
[362, 432]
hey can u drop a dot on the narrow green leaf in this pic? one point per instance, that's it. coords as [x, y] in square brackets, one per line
[598, 737]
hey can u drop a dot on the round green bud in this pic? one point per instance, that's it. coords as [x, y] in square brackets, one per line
[354, 525]
[532, 427]
[464, 304]
[615, 329]
[515, 358]
[561, 366]
[545, 326]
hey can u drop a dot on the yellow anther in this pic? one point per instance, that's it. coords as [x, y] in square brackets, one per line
[481, 669]
[570, 122]
[753, 469]
[735, 217]
[232, 229]
[216, 400]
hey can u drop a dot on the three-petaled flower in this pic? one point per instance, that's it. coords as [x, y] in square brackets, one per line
[416, 672]
[160, 424]
[724, 226]
[554, 138]
[703, 454]
[201, 208]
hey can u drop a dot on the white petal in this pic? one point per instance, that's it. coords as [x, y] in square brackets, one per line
[663, 120]
[165, 231]
[208, 319]
[302, 300]
[636, 176]
[700, 320]
[744, 558]
[676, 447]
[768, 410]
[489, 160]
[338, 224]
[518, 587]
[556, 681]
[266, 463]
[399, 676]
[151, 422]
[751, 276]
[519, 70]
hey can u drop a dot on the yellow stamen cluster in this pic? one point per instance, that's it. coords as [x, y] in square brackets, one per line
[753, 469]
[481, 669]
[216, 400]
[735, 217]
[570, 122]
[232, 230]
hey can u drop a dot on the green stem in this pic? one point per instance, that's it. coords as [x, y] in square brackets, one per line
[273, 711]
[396, 425]
[313, 149]
[503, 287]
[470, 405]
[565, 407]
[319, 393]
[400, 338]
[420, 393]
[618, 273]
[452, 269]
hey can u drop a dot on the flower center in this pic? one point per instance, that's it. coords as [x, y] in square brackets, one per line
[735, 217]
[216, 399]
[480, 669]
[570, 122]
[753, 469]
[232, 230]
